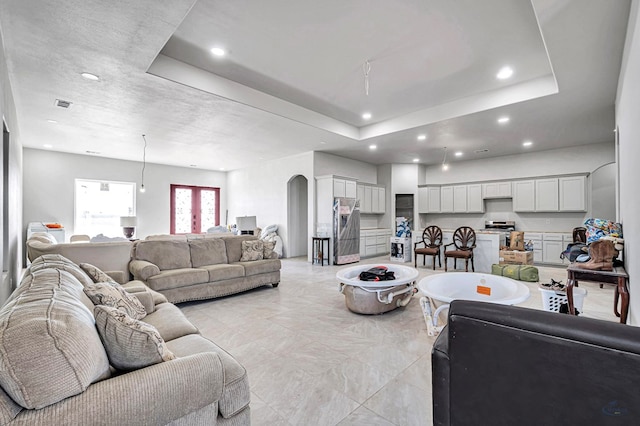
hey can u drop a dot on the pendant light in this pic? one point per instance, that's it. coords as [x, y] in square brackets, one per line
[144, 162]
[445, 166]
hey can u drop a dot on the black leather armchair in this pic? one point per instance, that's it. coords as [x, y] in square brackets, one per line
[505, 365]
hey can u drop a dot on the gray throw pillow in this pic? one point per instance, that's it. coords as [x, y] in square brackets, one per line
[95, 273]
[252, 250]
[268, 252]
[113, 295]
[130, 344]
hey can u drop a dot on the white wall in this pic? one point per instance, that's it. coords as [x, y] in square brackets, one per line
[329, 164]
[49, 179]
[12, 194]
[261, 191]
[627, 107]
[580, 159]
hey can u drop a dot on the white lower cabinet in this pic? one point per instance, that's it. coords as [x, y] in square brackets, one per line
[536, 240]
[547, 246]
[374, 242]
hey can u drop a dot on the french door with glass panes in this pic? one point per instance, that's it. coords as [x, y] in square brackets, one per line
[194, 209]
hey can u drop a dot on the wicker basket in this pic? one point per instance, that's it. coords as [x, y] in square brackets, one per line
[552, 299]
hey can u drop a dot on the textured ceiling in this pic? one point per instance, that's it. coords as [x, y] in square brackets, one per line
[293, 80]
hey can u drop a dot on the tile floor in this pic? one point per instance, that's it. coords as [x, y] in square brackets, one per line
[312, 362]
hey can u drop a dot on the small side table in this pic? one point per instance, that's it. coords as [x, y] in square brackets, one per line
[617, 277]
[319, 253]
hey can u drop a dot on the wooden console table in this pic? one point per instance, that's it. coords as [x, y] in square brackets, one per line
[617, 277]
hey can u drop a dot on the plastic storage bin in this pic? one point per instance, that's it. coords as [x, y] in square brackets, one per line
[552, 299]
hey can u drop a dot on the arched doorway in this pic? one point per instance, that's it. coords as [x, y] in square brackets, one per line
[297, 216]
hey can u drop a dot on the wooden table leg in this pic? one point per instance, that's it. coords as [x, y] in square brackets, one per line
[624, 293]
[616, 298]
[570, 283]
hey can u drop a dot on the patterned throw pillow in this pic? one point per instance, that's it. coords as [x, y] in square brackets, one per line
[130, 344]
[113, 295]
[268, 252]
[252, 250]
[95, 273]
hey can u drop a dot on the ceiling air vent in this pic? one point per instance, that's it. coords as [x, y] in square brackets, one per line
[481, 151]
[63, 104]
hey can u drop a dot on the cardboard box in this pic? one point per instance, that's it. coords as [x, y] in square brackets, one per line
[511, 257]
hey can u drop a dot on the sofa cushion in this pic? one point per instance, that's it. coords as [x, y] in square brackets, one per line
[224, 272]
[178, 278]
[260, 266]
[94, 273]
[234, 246]
[209, 251]
[57, 261]
[170, 322]
[113, 295]
[167, 254]
[235, 395]
[49, 346]
[252, 250]
[130, 344]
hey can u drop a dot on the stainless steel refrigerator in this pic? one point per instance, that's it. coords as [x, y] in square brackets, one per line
[346, 230]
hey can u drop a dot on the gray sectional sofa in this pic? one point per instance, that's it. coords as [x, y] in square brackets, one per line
[56, 366]
[191, 269]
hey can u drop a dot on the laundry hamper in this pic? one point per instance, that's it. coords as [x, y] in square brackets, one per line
[552, 299]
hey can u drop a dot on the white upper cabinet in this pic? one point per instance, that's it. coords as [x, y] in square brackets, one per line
[372, 198]
[475, 203]
[382, 200]
[375, 195]
[339, 188]
[460, 198]
[350, 189]
[496, 190]
[446, 199]
[573, 193]
[524, 196]
[547, 195]
[368, 206]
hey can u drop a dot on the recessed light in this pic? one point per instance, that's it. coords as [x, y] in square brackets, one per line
[422, 137]
[366, 115]
[503, 120]
[47, 145]
[415, 160]
[90, 76]
[504, 73]
[458, 154]
[222, 168]
[527, 143]
[218, 51]
[52, 121]
[372, 147]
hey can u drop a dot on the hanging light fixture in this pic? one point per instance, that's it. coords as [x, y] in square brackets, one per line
[144, 162]
[445, 166]
[366, 68]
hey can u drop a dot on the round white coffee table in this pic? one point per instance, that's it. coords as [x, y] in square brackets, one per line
[450, 286]
[376, 297]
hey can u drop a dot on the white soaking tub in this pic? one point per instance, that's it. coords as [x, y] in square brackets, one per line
[480, 287]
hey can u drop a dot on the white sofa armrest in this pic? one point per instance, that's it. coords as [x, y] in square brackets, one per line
[154, 395]
[142, 270]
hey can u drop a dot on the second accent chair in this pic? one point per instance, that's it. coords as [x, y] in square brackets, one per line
[432, 240]
[464, 241]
